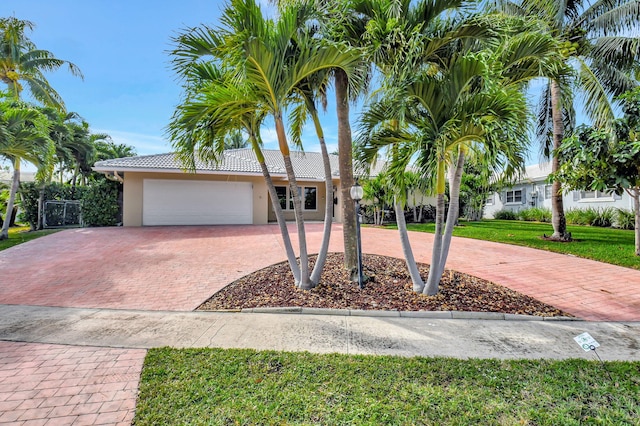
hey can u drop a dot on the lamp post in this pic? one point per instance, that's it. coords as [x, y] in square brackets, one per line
[356, 195]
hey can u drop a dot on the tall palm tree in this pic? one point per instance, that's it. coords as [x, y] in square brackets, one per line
[472, 104]
[599, 40]
[25, 138]
[273, 58]
[22, 62]
[217, 104]
[307, 93]
[271, 61]
[378, 30]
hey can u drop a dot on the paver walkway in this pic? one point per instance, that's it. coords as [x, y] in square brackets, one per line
[56, 384]
[177, 268]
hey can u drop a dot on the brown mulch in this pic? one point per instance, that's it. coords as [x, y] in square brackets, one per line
[389, 288]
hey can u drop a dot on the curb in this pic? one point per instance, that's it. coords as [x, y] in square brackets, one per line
[404, 314]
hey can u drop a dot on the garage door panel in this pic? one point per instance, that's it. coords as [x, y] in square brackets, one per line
[189, 202]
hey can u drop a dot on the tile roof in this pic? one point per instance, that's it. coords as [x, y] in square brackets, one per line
[306, 165]
[536, 172]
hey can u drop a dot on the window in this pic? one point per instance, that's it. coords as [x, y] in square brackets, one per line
[489, 200]
[547, 192]
[310, 194]
[514, 196]
[282, 196]
[309, 202]
[593, 195]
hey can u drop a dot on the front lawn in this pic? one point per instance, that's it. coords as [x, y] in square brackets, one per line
[217, 386]
[21, 234]
[615, 246]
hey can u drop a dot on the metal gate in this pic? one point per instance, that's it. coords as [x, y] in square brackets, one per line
[59, 214]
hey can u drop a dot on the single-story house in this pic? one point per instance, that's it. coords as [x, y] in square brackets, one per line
[157, 191]
[6, 176]
[533, 190]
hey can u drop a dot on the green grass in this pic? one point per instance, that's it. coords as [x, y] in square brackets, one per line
[615, 246]
[21, 234]
[220, 387]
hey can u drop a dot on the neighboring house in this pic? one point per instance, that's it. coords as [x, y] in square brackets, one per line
[532, 190]
[157, 191]
[7, 176]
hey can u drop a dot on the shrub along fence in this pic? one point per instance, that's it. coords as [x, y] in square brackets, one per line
[94, 205]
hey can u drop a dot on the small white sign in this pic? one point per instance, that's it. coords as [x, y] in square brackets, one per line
[586, 342]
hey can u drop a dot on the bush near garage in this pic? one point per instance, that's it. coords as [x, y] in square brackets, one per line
[99, 201]
[99, 204]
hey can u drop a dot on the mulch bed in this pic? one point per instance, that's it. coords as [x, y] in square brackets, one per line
[389, 288]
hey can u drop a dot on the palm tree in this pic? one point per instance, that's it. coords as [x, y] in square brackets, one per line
[599, 41]
[471, 104]
[217, 104]
[274, 58]
[21, 62]
[271, 60]
[379, 31]
[26, 138]
[220, 100]
[235, 140]
[106, 149]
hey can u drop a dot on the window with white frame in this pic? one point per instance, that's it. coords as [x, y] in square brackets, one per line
[514, 196]
[594, 195]
[547, 192]
[309, 202]
[489, 200]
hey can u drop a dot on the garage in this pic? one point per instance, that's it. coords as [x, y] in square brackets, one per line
[196, 202]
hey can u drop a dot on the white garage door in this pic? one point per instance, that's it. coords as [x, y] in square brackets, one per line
[191, 202]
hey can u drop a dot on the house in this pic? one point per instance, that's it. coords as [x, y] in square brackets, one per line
[157, 191]
[532, 190]
[6, 176]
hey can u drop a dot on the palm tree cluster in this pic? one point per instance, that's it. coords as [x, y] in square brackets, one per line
[46, 136]
[451, 83]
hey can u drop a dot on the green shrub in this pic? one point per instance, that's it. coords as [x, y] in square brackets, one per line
[625, 219]
[100, 204]
[505, 215]
[576, 217]
[604, 217]
[30, 195]
[535, 214]
[590, 216]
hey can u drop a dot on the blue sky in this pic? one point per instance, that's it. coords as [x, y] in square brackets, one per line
[121, 47]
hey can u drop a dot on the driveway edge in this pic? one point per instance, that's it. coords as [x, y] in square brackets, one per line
[404, 314]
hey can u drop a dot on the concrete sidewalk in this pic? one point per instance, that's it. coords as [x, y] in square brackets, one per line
[350, 334]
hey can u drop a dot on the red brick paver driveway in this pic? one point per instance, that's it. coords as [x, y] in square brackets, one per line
[177, 268]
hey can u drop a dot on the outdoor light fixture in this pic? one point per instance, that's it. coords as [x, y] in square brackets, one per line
[356, 195]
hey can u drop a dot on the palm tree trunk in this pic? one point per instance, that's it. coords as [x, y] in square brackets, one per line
[433, 280]
[4, 234]
[346, 173]
[557, 208]
[416, 279]
[305, 278]
[328, 205]
[275, 202]
[454, 209]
